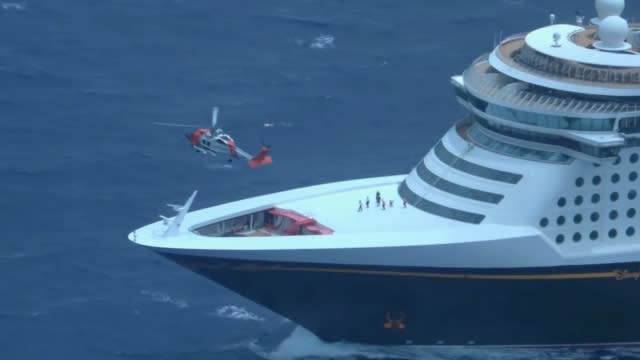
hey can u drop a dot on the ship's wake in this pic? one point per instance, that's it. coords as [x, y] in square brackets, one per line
[303, 345]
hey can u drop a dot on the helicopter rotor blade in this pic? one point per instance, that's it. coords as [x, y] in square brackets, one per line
[176, 125]
[214, 116]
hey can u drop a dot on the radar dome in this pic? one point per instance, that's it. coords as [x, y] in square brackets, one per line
[609, 8]
[613, 31]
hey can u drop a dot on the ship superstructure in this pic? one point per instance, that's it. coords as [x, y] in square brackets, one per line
[519, 227]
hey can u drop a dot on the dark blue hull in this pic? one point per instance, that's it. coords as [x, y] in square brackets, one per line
[571, 305]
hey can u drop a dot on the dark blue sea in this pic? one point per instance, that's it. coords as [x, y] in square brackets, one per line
[347, 89]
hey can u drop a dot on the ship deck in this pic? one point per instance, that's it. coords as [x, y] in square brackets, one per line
[333, 205]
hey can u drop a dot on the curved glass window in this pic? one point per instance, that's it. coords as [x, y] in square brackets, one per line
[633, 176]
[631, 212]
[593, 235]
[594, 216]
[559, 239]
[447, 186]
[595, 198]
[483, 140]
[579, 182]
[577, 237]
[550, 121]
[601, 152]
[474, 169]
[437, 209]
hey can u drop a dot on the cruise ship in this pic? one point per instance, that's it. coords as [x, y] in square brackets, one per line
[519, 227]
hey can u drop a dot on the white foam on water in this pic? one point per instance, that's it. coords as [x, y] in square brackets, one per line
[235, 312]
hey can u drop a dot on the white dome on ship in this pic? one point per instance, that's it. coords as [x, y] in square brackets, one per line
[612, 32]
[607, 8]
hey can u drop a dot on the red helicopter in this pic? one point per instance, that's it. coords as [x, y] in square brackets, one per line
[214, 141]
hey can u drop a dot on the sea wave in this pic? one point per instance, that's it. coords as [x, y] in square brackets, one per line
[235, 312]
[13, 6]
[164, 298]
[302, 344]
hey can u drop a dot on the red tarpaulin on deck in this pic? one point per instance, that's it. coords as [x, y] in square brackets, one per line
[301, 220]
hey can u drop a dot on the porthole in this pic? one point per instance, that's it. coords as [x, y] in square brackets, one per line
[595, 198]
[594, 216]
[578, 200]
[613, 214]
[544, 222]
[615, 178]
[614, 196]
[633, 176]
[613, 233]
[630, 231]
[596, 180]
[593, 235]
[633, 158]
[560, 220]
[631, 212]
[617, 161]
[632, 194]
[579, 182]
[562, 202]
[577, 219]
[577, 237]
[559, 239]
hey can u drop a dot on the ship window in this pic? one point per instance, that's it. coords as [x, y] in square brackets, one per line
[465, 166]
[578, 200]
[613, 233]
[615, 178]
[488, 142]
[577, 219]
[559, 239]
[613, 214]
[562, 202]
[633, 158]
[617, 161]
[631, 212]
[560, 220]
[596, 180]
[593, 235]
[549, 120]
[594, 216]
[607, 152]
[436, 209]
[614, 196]
[633, 176]
[595, 198]
[630, 231]
[579, 182]
[632, 194]
[544, 222]
[577, 237]
[434, 180]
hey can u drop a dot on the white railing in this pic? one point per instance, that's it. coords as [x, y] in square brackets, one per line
[498, 87]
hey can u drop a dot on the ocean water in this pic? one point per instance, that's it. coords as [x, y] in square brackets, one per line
[348, 89]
